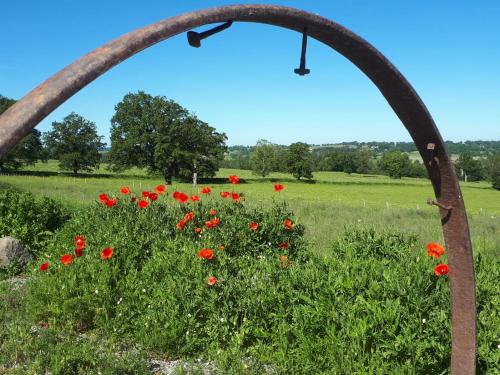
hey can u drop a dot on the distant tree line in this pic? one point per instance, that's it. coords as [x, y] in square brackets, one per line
[163, 137]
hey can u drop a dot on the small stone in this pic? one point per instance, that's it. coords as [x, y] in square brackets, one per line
[12, 251]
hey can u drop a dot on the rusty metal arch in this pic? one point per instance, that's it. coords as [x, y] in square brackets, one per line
[18, 120]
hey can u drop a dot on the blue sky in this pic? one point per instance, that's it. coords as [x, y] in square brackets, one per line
[241, 81]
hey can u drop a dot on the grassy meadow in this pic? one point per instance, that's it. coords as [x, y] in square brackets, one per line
[336, 200]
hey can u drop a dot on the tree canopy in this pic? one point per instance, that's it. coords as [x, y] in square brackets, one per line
[75, 143]
[162, 136]
[299, 160]
[26, 152]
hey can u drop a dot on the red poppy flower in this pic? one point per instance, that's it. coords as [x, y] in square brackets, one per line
[235, 197]
[107, 253]
[78, 252]
[103, 197]
[225, 194]
[206, 254]
[143, 203]
[189, 216]
[234, 179]
[435, 250]
[441, 270]
[161, 189]
[284, 245]
[212, 212]
[145, 194]
[253, 226]
[212, 280]
[283, 261]
[198, 230]
[206, 190]
[195, 198]
[125, 190]
[79, 242]
[111, 202]
[66, 259]
[288, 224]
[180, 197]
[181, 224]
[153, 196]
[209, 224]
[44, 266]
[278, 187]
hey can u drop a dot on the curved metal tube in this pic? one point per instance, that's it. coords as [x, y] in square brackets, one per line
[18, 120]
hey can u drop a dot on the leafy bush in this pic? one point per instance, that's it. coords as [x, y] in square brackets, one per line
[31, 220]
[374, 306]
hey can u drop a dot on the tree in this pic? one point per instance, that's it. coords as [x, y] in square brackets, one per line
[162, 136]
[469, 168]
[75, 143]
[263, 158]
[299, 160]
[26, 152]
[395, 164]
[492, 167]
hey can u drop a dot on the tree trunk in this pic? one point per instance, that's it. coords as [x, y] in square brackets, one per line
[168, 178]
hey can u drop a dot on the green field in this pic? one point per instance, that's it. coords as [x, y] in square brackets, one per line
[335, 201]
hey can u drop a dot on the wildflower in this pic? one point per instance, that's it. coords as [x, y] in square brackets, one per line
[424, 321]
[66, 259]
[235, 197]
[435, 250]
[221, 247]
[181, 224]
[107, 253]
[144, 290]
[283, 261]
[79, 252]
[44, 266]
[288, 224]
[212, 212]
[195, 198]
[79, 241]
[153, 196]
[198, 230]
[284, 245]
[253, 226]
[125, 190]
[180, 197]
[225, 194]
[161, 189]
[111, 202]
[206, 254]
[189, 216]
[212, 280]
[206, 190]
[278, 187]
[441, 270]
[145, 194]
[234, 180]
[103, 198]
[143, 203]
[215, 221]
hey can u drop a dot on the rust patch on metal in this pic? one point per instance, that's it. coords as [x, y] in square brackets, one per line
[19, 119]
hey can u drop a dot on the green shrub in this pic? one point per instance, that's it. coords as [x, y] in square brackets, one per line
[373, 306]
[30, 220]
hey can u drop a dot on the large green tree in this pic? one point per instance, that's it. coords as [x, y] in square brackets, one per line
[162, 136]
[469, 168]
[263, 158]
[299, 160]
[395, 164]
[75, 143]
[492, 167]
[26, 152]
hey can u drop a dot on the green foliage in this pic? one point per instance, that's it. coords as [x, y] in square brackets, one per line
[298, 160]
[162, 136]
[348, 161]
[492, 168]
[469, 168]
[31, 220]
[395, 164]
[75, 143]
[263, 158]
[373, 306]
[27, 151]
